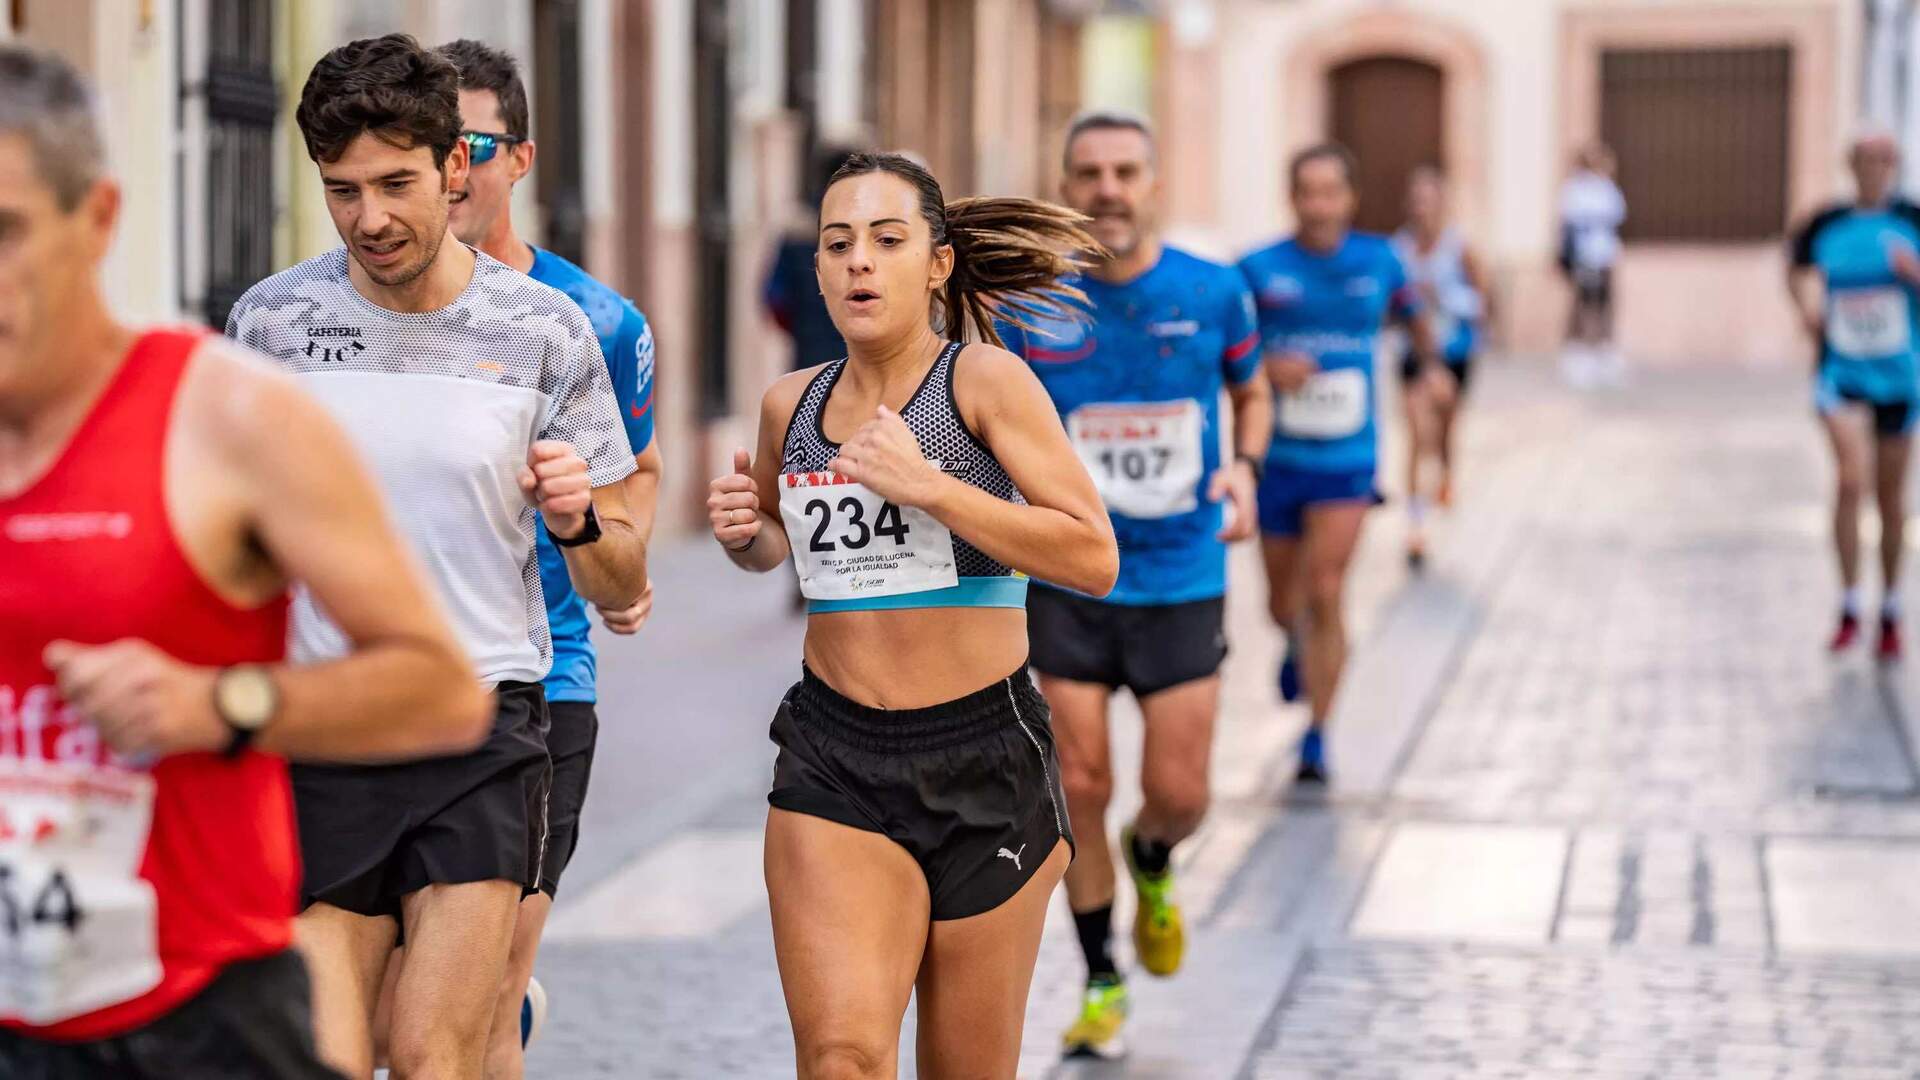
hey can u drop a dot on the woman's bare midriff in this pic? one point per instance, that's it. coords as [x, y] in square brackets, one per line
[915, 658]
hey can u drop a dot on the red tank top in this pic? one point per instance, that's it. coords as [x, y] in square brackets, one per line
[125, 886]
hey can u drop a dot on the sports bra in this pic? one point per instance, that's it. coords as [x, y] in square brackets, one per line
[855, 551]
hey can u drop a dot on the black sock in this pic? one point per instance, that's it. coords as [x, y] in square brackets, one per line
[1151, 856]
[1096, 941]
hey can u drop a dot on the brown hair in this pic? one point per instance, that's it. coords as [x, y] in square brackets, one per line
[1326, 151]
[483, 67]
[1009, 254]
[389, 87]
[1106, 120]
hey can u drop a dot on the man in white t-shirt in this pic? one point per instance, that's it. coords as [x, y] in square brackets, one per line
[1591, 211]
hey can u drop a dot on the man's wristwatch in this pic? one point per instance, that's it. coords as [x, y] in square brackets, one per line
[246, 698]
[588, 532]
[1259, 467]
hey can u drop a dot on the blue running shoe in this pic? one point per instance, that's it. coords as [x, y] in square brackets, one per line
[533, 1012]
[1289, 677]
[1313, 759]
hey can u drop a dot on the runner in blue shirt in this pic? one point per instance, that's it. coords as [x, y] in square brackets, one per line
[1322, 296]
[1139, 391]
[493, 108]
[1866, 254]
[791, 291]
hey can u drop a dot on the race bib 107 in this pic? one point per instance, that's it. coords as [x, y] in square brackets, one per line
[1145, 457]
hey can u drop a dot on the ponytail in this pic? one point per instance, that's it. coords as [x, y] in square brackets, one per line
[1009, 254]
[1008, 258]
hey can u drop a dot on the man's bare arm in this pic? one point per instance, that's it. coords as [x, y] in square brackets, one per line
[407, 688]
[643, 496]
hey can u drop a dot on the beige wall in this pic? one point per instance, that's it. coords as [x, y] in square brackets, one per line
[308, 29]
[126, 55]
[1521, 91]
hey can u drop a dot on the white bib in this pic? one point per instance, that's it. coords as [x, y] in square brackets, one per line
[78, 928]
[850, 544]
[1867, 324]
[1333, 405]
[1145, 457]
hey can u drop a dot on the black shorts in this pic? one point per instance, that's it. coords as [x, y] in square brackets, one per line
[1891, 419]
[571, 735]
[254, 1020]
[371, 834]
[970, 788]
[1462, 371]
[1593, 287]
[1144, 648]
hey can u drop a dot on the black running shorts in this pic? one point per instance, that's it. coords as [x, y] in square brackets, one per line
[571, 736]
[1410, 369]
[1593, 287]
[970, 788]
[1143, 648]
[371, 834]
[254, 1020]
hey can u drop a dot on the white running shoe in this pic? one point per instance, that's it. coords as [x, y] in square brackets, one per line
[533, 1012]
[1577, 365]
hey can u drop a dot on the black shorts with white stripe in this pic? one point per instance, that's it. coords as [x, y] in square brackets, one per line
[970, 788]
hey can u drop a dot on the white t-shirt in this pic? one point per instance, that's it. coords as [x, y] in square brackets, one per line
[442, 406]
[1591, 209]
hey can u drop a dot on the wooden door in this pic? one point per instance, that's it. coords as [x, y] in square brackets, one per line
[1387, 110]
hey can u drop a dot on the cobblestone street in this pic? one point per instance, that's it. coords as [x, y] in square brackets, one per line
[1603, 805]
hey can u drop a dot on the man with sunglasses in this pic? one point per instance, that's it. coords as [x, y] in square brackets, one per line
[493, 113]
[481, 400]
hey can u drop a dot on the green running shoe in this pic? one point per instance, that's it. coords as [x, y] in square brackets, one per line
[1159, 931]
[1103, 1012]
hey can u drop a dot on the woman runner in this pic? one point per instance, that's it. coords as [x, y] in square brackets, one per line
[917, 827]
[1452, 288]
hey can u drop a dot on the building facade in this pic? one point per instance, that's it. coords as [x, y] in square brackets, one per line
[1728, 119]
[674, 136]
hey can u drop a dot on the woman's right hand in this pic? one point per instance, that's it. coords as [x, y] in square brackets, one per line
[733, 505]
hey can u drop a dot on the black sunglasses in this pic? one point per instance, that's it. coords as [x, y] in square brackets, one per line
[483, 145]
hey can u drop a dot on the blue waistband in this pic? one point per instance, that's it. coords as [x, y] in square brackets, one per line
[988, 592]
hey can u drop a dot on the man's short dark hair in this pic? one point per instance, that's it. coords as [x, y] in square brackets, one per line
[483, 67]
[1326, 151]
[388, 87]
[1106, 120]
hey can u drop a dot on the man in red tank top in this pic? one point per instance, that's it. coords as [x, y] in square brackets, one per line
[159, 491]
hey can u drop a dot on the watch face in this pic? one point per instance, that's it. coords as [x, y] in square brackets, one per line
[247, 697]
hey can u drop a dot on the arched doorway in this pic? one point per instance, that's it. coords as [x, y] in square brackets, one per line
[1387, 110]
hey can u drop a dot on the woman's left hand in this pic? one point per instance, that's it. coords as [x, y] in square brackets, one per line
[884, 456]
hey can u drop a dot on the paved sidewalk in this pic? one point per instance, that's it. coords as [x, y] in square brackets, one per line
[1604, 808]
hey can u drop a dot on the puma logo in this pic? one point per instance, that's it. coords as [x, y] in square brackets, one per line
[1014, 855]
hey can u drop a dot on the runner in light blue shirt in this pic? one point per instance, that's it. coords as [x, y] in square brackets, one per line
[1866, 322]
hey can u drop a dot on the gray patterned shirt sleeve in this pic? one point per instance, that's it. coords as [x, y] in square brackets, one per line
[584, 413]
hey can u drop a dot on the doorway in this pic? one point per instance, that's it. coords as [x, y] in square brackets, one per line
[1387, 110]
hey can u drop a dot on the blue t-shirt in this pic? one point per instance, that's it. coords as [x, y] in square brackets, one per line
[1139, 391]
[1872, 320]
[627, 343]
[1329, 306]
